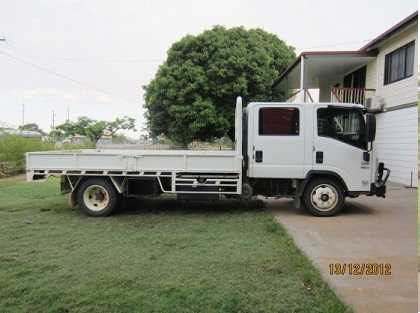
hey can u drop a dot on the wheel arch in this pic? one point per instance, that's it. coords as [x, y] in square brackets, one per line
[321, 174]
[70, 184]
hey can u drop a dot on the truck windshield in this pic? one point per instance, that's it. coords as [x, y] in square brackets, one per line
[346, 125]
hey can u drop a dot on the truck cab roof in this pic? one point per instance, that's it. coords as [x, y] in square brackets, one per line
[318, 104]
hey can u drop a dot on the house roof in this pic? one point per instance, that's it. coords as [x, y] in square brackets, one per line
[390, 32]
[366, 51]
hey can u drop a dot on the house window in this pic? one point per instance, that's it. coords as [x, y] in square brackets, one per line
[399, 63]
[278, 121]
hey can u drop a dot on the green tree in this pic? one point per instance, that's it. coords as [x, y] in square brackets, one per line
[193, 93]
[93, 129]
[32, 127]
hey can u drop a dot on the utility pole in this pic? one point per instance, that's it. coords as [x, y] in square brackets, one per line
[53, 119]
[68, 113]
[23, 114]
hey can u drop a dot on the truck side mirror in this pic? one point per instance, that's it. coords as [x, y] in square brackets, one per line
[370, 127]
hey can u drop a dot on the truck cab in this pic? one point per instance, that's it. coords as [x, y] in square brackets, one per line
[317, 153]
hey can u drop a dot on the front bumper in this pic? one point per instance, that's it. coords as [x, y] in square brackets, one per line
[378, 188]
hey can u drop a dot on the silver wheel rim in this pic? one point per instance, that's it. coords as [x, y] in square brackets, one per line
[96, 198]
[324, 197]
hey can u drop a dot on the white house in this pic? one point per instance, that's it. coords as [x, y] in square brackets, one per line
[382, 75]
[8, 129]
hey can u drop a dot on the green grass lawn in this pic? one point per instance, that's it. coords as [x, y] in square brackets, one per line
[153, 257]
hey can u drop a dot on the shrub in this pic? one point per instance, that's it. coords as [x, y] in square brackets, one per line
[13, 149]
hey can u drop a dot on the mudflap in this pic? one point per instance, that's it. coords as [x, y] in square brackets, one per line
[72, 200]
[378, 190]
[297, 202]
[65, 186]
[379, 187]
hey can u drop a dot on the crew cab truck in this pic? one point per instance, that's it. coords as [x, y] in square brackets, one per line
[317, 154]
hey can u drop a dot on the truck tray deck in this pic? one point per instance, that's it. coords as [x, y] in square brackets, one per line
[219, 167]
[112, 162]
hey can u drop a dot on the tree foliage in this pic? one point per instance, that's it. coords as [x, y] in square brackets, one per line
[192, 96]
[32, 127]
[93, 129]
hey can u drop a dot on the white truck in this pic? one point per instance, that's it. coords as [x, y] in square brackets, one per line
[317, 154]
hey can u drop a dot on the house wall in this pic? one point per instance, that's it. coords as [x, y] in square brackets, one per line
[403, 91]
[325, 91]
[396, 143]
[371, 75]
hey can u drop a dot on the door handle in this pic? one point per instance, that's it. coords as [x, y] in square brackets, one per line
[366, 156]
[258, 156]
[365, 160]
[319, 157]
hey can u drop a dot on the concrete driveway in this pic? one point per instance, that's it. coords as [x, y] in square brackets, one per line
[370, 230]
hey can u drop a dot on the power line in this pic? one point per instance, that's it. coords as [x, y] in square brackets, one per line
[104, 60]
[93, 59]
[62, 76]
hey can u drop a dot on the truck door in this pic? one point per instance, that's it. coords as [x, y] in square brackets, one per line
[340, 144]
[276, 144]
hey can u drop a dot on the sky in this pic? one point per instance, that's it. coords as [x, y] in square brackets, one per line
[91, 58]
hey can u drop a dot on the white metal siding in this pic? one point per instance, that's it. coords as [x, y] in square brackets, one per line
[396, 144]
[371, 73]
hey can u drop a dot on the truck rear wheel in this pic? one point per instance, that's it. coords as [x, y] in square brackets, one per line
[323, 197]
[97, 197]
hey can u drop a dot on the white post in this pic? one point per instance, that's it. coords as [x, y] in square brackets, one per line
[302, 71]
[302, 78]
[238, 126]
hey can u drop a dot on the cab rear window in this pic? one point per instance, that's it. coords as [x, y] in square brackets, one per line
[278, 122]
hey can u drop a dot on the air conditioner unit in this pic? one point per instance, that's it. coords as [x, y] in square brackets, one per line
[375, 104]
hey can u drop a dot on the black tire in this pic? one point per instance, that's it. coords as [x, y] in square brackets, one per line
[103, 194]
[323, 197]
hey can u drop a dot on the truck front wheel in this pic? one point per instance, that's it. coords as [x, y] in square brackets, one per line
[97, 197]
[323, 197]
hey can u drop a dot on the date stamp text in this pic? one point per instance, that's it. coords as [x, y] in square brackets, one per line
[360, 269]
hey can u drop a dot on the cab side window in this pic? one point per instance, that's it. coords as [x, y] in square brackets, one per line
[345, 125]
[278, 122]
